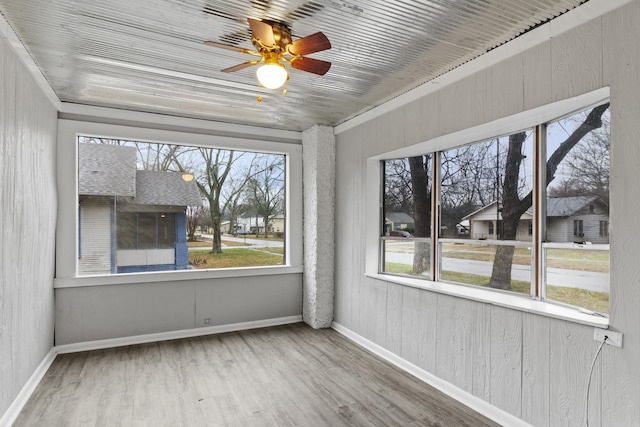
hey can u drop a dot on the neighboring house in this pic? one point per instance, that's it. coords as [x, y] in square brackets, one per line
[569, 219]
[397, 221]
[276, 224]
[249, 222]
[130, 220]
[577, 219]
[486, 222]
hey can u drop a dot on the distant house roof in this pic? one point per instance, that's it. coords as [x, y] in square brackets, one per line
[567, 206]
[398, 217]
[556, 206]
[110, 170]
[165, 188]
[106, 170]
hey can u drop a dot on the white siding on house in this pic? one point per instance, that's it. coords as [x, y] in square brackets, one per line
[95, 232]
[132, 257]
[28, 210]
[559, 230]
[529, 365]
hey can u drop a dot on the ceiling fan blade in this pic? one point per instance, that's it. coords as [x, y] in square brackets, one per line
[310, 44]
[262, 31]
[240, 66]
[311, 65]
[228, 47]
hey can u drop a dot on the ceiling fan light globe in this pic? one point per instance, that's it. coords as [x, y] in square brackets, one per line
[272, 76]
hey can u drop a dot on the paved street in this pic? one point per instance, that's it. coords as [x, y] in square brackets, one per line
[555, 276]
[246, 242]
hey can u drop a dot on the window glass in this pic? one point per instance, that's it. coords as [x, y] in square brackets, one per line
[147, 231]
[127, 230]
[485, 194]
[488, 232]
[407, 216]
[476, 264]
[155, 207]
[166, 230]
[577, 212]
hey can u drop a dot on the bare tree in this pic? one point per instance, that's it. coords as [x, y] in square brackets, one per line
[217, 165]
[585, 171]
[194, 215]
[513, 206]
[398, 192]
[265, 189]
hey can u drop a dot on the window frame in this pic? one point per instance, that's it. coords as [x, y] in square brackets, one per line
[503, 126]
[67, 184]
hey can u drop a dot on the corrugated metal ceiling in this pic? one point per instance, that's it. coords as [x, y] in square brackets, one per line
[149, 55]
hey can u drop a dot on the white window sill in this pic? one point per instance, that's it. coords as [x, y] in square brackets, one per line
[515, 302]
[172, 276]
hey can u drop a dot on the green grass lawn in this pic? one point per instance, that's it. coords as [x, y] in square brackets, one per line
[237, 257]
[591, 300]
[570, 259]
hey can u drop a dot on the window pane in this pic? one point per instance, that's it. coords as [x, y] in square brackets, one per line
[578, 209]
[127, 230]
[578, 191]
[175, 207]
[407, 257]
[147, 231]
[475, 264]
[407, 214]
[578, 277]
[486, 189]
[167, 230]
[407, 197]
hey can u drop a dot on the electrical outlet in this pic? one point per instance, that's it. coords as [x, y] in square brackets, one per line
[207, 321]
[613, 338]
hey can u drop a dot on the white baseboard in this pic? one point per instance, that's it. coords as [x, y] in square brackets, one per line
[172, 335]
[482, 407]
[18, 403]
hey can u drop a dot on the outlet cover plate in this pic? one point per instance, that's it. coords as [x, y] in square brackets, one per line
[613, 338]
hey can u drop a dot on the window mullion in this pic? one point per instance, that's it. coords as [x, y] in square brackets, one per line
[435, 216]
[538, 282]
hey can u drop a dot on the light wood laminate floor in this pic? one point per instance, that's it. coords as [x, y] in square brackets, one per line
[282, 376]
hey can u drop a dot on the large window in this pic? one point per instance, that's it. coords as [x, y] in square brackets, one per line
[524, 213]
[147, 206]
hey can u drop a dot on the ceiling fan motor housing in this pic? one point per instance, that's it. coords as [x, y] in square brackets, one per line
[281, 35]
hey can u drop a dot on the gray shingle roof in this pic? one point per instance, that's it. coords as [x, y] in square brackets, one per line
[399, 217]
[106, 170]
[165, 188]
[567, 206]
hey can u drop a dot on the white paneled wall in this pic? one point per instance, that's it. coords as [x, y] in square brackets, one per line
[531, 366]
[27, 223]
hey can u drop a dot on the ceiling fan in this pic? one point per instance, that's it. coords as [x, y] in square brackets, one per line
[275, 47]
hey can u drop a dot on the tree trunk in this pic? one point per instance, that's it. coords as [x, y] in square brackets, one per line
[419, 167]
[513, 207]
[501, 273]
[216, 246]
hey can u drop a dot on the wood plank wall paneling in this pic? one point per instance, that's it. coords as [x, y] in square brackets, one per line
[419, 320]
[535, 369]
[27, 220]
[412, 122]
[576, 61]
[530, 365]
[571, 353]
[537, 75]
[620, 369]
[506, 359]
